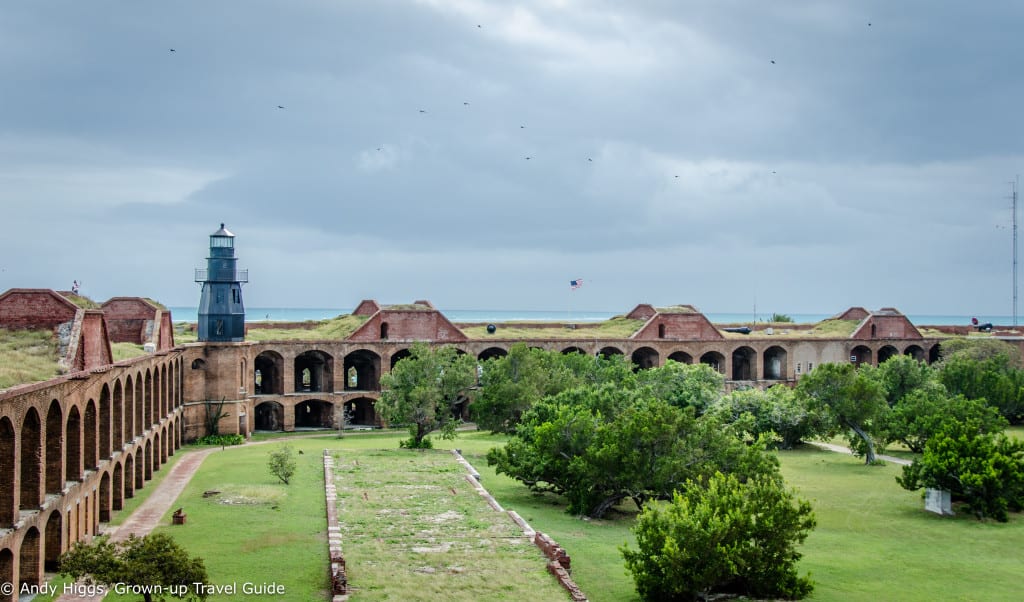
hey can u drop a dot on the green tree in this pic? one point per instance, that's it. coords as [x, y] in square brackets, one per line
[850, 400]
[426, 390]
[599, 445]
[983, 470]
[901, 374]
[721, 536]
[979, 348]
[993, 378]
[684, 385]
[777, 411]
[920, 414]
[281, 463]
[780, 318]
[146, 562]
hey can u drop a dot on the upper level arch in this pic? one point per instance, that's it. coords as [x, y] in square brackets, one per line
[268, 373]
[314, 371]
[362, 370]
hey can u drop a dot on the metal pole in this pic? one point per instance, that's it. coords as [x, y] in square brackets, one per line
[1016, 184]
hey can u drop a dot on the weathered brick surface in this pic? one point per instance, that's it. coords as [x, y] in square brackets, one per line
[34, 308]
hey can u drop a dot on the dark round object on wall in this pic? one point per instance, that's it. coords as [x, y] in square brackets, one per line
[491, 328]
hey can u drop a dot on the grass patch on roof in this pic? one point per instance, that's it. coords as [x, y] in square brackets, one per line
[336, 328]
[839, 329]
[27, 356]
[80, 301]
[126, 351]
[615, 328]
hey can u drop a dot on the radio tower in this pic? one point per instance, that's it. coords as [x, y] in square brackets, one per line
[1014, 186]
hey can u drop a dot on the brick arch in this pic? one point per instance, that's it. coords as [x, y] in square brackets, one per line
[52, 534]
[886, 352]
[268, 373]
[129, 476]
[117, 417]
[775, 360]
[609, 351]
[89, 436]
[714, 359]
[105, 420]
[163, 445]
[6, 571]
[315, 413]
[157, 445]
[8, 512]
[147, 461]
[744, 363]
[915, 351]
[573, 349]
[73, 445]
[31, 442]
[364, 366]
[361, 411]
[54, 448]
[399, 355]
[29, 568]
[162, 386]
[681, 356]
[117, 487]
[314, 371]
[140, 405]
[147, 399]
[104, 500]
[645, 358]
[861, 354]
[269, 416]
[490, 352]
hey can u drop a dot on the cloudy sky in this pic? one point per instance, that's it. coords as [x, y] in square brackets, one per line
[806, 156]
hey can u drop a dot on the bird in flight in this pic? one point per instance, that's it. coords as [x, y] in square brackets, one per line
[478, 25]
[466, 104]
[527, 158]
[280, 106]
[773, 61]
[589, 159]
[172, 50]
[422, 111]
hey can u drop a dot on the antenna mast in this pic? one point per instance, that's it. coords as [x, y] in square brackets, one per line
[1015, 185]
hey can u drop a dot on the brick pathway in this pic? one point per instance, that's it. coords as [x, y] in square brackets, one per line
[148, 515]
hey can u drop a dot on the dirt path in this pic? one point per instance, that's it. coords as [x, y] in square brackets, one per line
[846, 450]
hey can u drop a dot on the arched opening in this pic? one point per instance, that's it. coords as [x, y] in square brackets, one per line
[384, 330]
[269, 416]
[915, 351]
[147, 395]
[268, 373]
[73, 446]
[360, 412]
[398, 356]
[51, 541]
[28, 558]
[314, 414]
[118, 418]
[172, 388]
[162, 385]
[117, 494]
[8, 513]
[860, 355]
[163, 445]
[934, 353]
[104, 451]
[140, 469]
[129, 476]
[54, 448]
[490, 352]
[199, 364]
[30, 464]
[645, 358]
[362, 370]
[573, 349]
[6, 572]
[607, 352]
[129, 411]
[139, 404]
[147, 462]
[743, 363]
[661, 331]
[681, 356]
[885, 353]
[156, 452]
[313, 372]
[89, 456]
[775, 358]
[104, 500]
[714, 359]
[874, 331]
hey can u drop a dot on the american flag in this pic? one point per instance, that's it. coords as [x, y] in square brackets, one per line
[575, 284]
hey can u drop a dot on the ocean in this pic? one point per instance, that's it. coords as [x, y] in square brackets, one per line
[302, 314]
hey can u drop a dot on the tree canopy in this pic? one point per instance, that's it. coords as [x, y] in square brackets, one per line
[850, 399]
[426, 391]
[155, 563]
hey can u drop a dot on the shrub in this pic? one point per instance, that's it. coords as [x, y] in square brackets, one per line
[220, 440]
[726, 537]
[985, 471]
[281, 463]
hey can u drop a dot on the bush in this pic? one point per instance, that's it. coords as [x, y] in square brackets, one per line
[220, 440]
[281, 463]
[985, 471]
[777, 411]
[726, 537]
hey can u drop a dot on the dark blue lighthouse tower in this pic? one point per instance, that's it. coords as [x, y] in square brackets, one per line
[221, 314]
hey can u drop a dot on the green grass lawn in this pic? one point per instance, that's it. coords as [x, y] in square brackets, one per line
[874, 541]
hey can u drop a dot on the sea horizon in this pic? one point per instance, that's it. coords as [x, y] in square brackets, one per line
[303, 314]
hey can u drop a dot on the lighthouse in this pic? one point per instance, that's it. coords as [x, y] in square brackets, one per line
[221, 314]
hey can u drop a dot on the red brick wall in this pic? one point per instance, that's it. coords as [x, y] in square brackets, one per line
[887, 327]
[34, 308]
[409, 326]
[94, 343]
[694, 327]
[127, 318]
